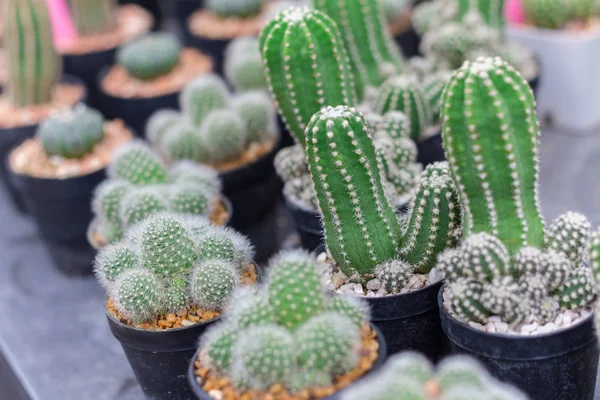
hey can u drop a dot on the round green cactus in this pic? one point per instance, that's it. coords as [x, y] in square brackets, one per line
[250, 307]
[71, 133]
[189, 198]
[465, 300]
[186, 171]
[135, 162]
[570, 234]
[502, 297]
[485, 257]
[176, 296]
[413, 365]
[353, 308]
[290, 162]
[258, 113]
[550, 14]
[140, 202]
[219, 342]
[212, 283]
[235, 8]
[183, 141]
[159, 123]
[328, 342]
[461, 371]
[216, 244]
[295, 291]
[224, 135]
[111, 232]
[243, 66]
[137, 294]
[203, 95]
[450, 263]
[107, 199]
[396, 124]
[150, 56]
[394, 275]
[112, 260]
[578, 289]
[554, 267]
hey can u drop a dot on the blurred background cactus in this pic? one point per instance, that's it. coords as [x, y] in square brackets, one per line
[243, 66]
[150, 56]
[31, 74]
[93, 16]
[557, 14]
[235, 8]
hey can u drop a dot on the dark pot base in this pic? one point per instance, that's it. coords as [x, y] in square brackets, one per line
[9, 139]
[431, 150]
[87, 67]
[212, 47]
[409, 41]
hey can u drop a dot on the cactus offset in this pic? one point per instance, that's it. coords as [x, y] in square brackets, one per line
[160, 123]
[569, 234]
[190, 172]
[577, 290]
[203, 95]
[150, 56]
[93, 16]
[353, 308]
[183, 141]
[250, 307]
[258, 113]
[433, 88]
[137, 163]
[113, 261]
[393, 275]
[224, 135]
[219, 342]
[191, 199]
[107, 199]
[243, 66]
[137, 294]
[465, 300]
[212, 282]
[140, 202]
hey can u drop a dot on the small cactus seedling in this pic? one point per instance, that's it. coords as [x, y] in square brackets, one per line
[190, 172]
[93, 16]
[250, 307]
[235, 8]
[183, 141]
[306, 66]
[113, 261]
[570, 235]
[203, 95]
[258, 113]
[137, 293]
[224, 135]
[150, 56]
[356, 310]
[290, 162]
[577, 290]
[191, 199]
[212, 282]
[465, 300]
[393, 275]
[219, 342]
[159, 123]
[140, 202]
[137, 163]
[243, 65]
[107, 199]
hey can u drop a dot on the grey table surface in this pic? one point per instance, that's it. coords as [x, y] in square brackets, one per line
[54, 334]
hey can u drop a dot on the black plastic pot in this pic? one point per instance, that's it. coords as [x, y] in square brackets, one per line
[381, 357]
[87, 67]
[212, 47]
[153, 6]
[556, 366]
[133, 111]
[61, 210]
[409, 41]
[431, 150]
[182, 9]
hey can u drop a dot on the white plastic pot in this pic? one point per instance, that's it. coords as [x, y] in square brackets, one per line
[569, 90]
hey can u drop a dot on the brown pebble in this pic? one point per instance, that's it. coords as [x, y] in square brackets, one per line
[171, 318]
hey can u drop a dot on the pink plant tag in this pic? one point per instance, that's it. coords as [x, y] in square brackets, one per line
[62, 23]
[514, 13]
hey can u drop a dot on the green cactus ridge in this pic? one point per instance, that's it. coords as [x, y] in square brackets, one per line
[216, 244]
[160, 123]
[141, 202]
[361, 227]
[31, 74]
[137, 163]
[290, 162]
[306, 66]
[93, 16]
[112, 261]
[372, 51]
[465, 300]
[433, 88]
[219, 342]
[224, 135]
[137, 294]
[189, 172]
[353, 308]
[502, 297]
[493, 156]
[249, 307]
[578, 290]
[107, 199]
[569, 234]
[394, 275]
[203, 95]
[189, 198]
[256, 109]
[183, 141]
[243, 66]
[212, 283]
[294, 289]
[150, 56]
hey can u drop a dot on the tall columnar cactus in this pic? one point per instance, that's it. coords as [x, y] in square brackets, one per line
[34, 67]
[93, 16]
[551, 14]
[372, 51]
[203, 95]
[491, 11]
[306, 66]
[150, 56]
[235, 8]
[361, 227]
[491, 139]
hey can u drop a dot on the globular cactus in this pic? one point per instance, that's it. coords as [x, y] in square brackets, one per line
[219, 342]
[290, 162]
[412, 365]
[582, 9]
[160, 123]
[306, 66]
[235, 8]
[490, 130]
[550, 14]
[203, 95]
[111, 232]
[553, 267]
[112, 261]
[354, 308]
[394, 123]
[190, 172]
[243, 66]
[189, 198]
[578, 289]
[263, 356]
[465, 300]
[33, 65]
[490, 11]
[140, 202]
[361, 227]
[450, 264]
[150, 56]
[433, 88]
[569, 234]
[107, 199]
[294, 288]
[93, 16]
[328, 342]
[372, 51]
[502, 296]
[71, 133]
[175, 296]
[183, 141]
[401, 93]
[136, 163]
[217, 244]
[484, 257]
[212, 282]
[137, 294]
[258, 113]
[224, 135]
[394, 275]
[250, 307]
[397, 159]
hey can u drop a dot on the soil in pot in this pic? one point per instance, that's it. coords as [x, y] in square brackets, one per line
[19, 124]
[57, 192]
[85, 56]
[207, 385]
[558, 365]
[134, 101]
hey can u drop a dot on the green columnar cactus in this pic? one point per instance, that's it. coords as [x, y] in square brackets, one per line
[160, 123]
[137, 294]
[433, 220]
[491, 11]
[150, 56]
[578, 290]
[219, 342]
[189, 198]
[306, 66]
[235, 8]
[250, 307]
[372, 51]
[140, 202]
[71, 133]
[203, 95]
[551, 14]
[569, 234]
[433, 88]
[93, 16]
[34, 67]
[491, 140]
[258, 113]
[394, 275]
[243, 66]
[353, 308]
[295, 289]
[112, 261]
[136, 163]
[212, 282]
[361, 227]
[107, 199]
[327, 343]
[400, 93]
[183, 141]
[190, 172]
[465, 300]
[224, 135]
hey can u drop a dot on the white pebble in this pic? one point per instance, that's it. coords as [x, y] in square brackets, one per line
[528, 328]
[322, 257]
[358, 289]
[475, 325]
[549, 327]
[559, 319]
[348, 288]
[435, 275]
[374, 284]
[491, 328]
[495, 318]
[501, 327]
[566, 320]
[216, 394]
[585, 313]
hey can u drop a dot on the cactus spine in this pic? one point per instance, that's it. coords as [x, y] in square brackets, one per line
[494, 155]
[93, 16]
[34, 67]
[306, 66]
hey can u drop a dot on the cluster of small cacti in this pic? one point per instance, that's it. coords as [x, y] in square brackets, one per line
[509, 265]
[556, 14]
[214, 126]
[235, 8]
[411, 376]
[140, 184]
[243, 66]
[93, 16]
[428, 15]
[287, 333]
[150, 56]
[71, 132]
[163, 266]
[31, 74]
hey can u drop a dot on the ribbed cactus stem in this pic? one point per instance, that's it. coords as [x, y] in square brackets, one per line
[93, 16]
[34, 66]
[491, 11]
[361, 227]
[491, 140]
[306, 66]
[595, 257]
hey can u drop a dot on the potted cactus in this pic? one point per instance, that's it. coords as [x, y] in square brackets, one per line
[140, 184]
[33, 87]
[56, 173]
[287, 339]
[101, 27]
[149, 75]
[516, 290]
[411, 376]
[167, 281]
[237, 135]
